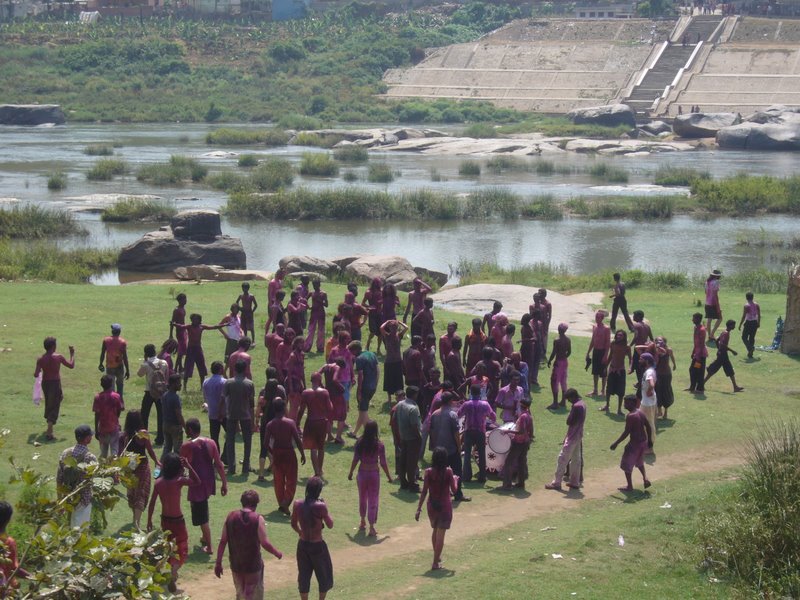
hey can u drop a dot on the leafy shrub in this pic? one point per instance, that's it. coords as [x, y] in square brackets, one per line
[98, 150]
[481, 131]
[56, 181]
[271, 175]
[469, 168]
[675, 176]
[318, 164]
[285, 51]
[380, 173]
[177, 170]
[542, 207]
[350, 176]
[577, 206]
[247, 160]
[658, 207]
[48, 262]
[305, 138]
[501, 162]
[227, 136]
[137, 209]
[212, 114]
[742, 194]
[106, 168]
[608, 173]
[30, 221]
[227, 181]
[351, 153]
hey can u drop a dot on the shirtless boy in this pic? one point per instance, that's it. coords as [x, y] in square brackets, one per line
[598, 351]
[179, 318]
[562, 348]
[616, 369]
[723, 361]
[248, 304]
[48, 366]
[638, 428]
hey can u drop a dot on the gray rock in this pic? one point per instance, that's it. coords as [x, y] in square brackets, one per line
[775, 114]
[656, 127]
[703, 125]
[436, 276]
[311, 264]
[343, 261]
[408, 133]
[218, 273]
[31, 114]
[161, 251]
[196, 224]
[392, 269]
[758, 136]
[610, 115]
[311, 275]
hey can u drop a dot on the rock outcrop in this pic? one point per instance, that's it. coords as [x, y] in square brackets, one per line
[193, 238]
[776, 128]
[31, 114]
[610, 115]
[656, 127]
[308, 264]
[218, 273]
[703, 125]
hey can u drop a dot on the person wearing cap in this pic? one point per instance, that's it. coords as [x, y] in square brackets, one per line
[246, 533]
[69, 478]
[713, 309]
[114, 353]
[562, 348]
[572, 449]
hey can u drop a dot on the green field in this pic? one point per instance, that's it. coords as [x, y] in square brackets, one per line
[715, 423]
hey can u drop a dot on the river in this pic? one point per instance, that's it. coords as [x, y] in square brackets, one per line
[683, 243]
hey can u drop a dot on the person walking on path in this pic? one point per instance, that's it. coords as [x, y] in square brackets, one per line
[370, 455]
[638, 428]
[751, 319]
[572, 449]
[444, 433]
[562, 348]
[598, 350]
[409, 427]
[156, 374]
[619, 304]
[723, 361]
[712, 307]
[239, 398]
[697, 368]
[367, 372]
[246, 533]
[137, 441]
[114, 352]
[281, 437]
[437, 486]
[48, 367]
[317, 401]
[309, 517]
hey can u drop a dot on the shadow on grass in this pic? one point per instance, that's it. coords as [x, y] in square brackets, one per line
[362, 539]
[276, 516]
[632, 496]
[515, 492]
[662, 424]
[39, 438]
[440, 573]
[404, 496]
[650, 459]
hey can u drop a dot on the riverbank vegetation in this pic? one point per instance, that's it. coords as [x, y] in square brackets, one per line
[177, 170]
[229, 136]
[540, 274]
[56, 181]
[98, 150]
[30, 222]
[138, 209]
[47, 262]
[748, 194]
[678, 176]
[106, 169]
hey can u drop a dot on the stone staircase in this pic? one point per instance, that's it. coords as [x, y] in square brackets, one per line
[672, 60]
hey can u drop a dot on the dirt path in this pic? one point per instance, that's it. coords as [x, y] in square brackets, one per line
[483, 518]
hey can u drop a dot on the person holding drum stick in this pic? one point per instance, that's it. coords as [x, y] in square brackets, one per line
[517, 458]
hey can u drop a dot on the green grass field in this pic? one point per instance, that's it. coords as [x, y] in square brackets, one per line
[81, 316]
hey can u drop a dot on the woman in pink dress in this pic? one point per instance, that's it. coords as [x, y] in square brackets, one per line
[370, 456]
[438, 485]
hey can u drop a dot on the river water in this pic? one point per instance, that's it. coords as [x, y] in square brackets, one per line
[682, 243]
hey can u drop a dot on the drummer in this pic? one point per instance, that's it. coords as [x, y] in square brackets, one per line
[509, 398]
[475, 412]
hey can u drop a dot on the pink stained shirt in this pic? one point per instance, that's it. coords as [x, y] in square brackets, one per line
[318, 300]
[107, 406]
[475, 412]
[575, 420]
[699, 350]
[523, 428]
[115, 349]
[345, 373]
[712, 292]
[509, 400]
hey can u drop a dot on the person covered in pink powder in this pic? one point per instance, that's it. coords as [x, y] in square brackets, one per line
[48, 366]
[712, 307]
[390, 302]
[194, 348]
[509, 398]
[249, 305]
[316, 322]
[283, 351]
[295, 312]
[309, 517]
[246, 533]
[277, 312]
[181, 336]
[415, 305]
[572, 449]
[275, 285]
[598, 350]
[373, 302]
[438, 484]
[317, 401]
[562, 348]
[370, 455]
[618, 352]
[295, 381]
[273, 339]
[547, 314]
[641, 439]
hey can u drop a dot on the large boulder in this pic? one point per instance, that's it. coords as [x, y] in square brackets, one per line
[757, 136]
[343, 261]
[656, 127]
[161, 251]
[703, 125]
[196, 225]
[218, 273]
[437, 277]
[308, 264]
[31, 114]
[392, 269]
[610, 115]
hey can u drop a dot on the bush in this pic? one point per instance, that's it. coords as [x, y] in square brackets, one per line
[272, 175]
[56, 181]
[493, 201]
[247, 160]
[305, 138]
[227, 136]
[318, 164]
[351, 153]
[176, 171]
[106, 168]
[750, 534]
[33, 222]
[542, 207]
[380, 173]
[608, 173]
[228, 181]
[469, 168]
[136, 209]
[350, 176]
[481, 131]
[500, 163]
[675, 176]
[743, 194]
[658, 207]
[98, 150]
[48, 262]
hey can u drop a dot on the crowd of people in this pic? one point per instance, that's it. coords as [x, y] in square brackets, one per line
[443, 393]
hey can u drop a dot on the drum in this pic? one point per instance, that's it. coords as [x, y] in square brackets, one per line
[498, 443]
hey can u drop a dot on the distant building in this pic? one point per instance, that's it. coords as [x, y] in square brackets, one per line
[608, 11]
[285, 10]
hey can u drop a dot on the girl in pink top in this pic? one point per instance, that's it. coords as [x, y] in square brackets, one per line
[369, 452]
[439, 482]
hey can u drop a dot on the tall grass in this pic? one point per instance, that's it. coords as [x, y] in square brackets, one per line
[542, 207]
[137, 209]
[469, 168]
[272, 175]
[500, 163]
[750, 534]
[56, 180]
[247, 160]
[606, 172]
[47, 262]
[106, 168]
[30, 221]
[481, 131]
[745, 194]
[228, 136]
[562, 126]
[380, 173]
[351, 153]
[98, 150]
[178, 170]
[318, 164]
[674, 176]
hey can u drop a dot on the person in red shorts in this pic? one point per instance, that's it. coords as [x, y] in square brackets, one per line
[48, 366]
[641, 439]
[246, 532]
[309, 517]
[281, 436]
[317, 402]
[168, 490]
[438, 485]
[114, 352]
[194, 348]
